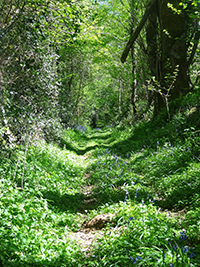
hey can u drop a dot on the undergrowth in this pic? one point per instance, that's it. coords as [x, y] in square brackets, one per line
[147, 177]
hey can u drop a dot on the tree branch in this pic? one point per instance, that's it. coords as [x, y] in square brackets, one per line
[15, 18]
[196, 41]
[137, 31]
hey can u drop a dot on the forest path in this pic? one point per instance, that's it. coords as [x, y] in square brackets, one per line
[123, 201]
[108, 179]
[92, 227]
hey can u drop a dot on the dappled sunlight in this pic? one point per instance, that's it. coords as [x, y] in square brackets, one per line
[99, 133]
[149, 193]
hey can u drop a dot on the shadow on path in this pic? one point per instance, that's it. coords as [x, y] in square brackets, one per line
[66, 145]
[64, 203]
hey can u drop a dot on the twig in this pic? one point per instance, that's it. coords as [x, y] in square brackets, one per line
[25, 154]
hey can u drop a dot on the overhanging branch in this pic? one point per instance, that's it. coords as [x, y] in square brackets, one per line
[137, 31]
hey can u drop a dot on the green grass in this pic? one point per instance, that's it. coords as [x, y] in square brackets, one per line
[147, 176]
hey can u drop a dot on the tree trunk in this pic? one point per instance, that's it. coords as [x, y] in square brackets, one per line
[152, 42]
[120, 96]
[173, 28]
[3, 121]
[167, 49]
[172, 73]
[133, 59]
[134, 88]
[153, 52]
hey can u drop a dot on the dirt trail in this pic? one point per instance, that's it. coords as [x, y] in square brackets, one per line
[86, 238]
[93, 229]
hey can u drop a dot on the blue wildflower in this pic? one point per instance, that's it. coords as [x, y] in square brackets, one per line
[183, 236]
[163, 255]
[121, 174]
[185, 249]
[126, 196]
[175, 247]
[192, 255]
[136, 192]
[81, 128]
[136, 259]
[127, 251]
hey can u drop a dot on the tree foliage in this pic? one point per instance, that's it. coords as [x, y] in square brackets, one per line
[61, 60]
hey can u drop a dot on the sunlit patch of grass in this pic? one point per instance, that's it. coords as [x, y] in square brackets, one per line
[170, 172]
[28, 229]
[79, 139]
[37, 218]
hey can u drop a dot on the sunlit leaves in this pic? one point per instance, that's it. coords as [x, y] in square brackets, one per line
[175, 10]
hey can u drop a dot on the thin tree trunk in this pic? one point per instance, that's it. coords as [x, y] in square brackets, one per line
[120, 96]
[134, 82]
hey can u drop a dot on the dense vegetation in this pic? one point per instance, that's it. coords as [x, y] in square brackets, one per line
[99, 115]
[146, 178]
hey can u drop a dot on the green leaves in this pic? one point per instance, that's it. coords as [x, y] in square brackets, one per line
[37, 221]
